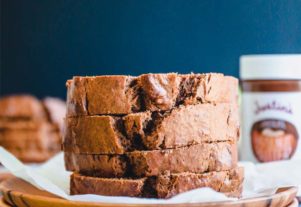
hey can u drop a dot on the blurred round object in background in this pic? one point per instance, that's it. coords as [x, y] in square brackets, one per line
[22, 107]
[30, 128]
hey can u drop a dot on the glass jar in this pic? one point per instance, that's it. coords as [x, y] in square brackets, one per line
[271, 107]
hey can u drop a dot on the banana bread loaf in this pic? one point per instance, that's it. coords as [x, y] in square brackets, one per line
[154, 135]
[30, 128]
[34, 144]
[45, 138]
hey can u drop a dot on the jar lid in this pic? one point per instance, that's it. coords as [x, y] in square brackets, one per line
[270, 67]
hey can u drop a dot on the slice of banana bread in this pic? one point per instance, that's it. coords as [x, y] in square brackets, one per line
[100, 95]
[196, 158]
[162, 186]
[182, 126]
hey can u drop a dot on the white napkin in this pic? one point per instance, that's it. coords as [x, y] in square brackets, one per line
[260, 180]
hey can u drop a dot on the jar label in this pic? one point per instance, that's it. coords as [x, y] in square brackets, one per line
[271, 126]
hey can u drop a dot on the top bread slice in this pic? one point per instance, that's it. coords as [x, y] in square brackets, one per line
[119, 95]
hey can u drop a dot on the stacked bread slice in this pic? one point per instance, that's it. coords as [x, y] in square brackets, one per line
[27, 129]
[155, 135]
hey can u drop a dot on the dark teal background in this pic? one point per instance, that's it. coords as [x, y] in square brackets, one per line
[45, 42]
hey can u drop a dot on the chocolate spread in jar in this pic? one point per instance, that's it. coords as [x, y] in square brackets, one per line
[271, 107]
